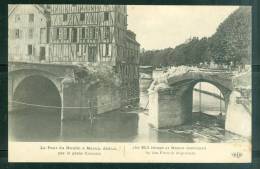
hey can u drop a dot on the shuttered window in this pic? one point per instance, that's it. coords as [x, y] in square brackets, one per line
[82, 17]
[106, 16]
[65, 17]
[83, 33]
[107, 49]
[107, 32]
[30, 33]
[29, 50]
[31, 17]
[67, 33]
[57, 33]
[92, 33]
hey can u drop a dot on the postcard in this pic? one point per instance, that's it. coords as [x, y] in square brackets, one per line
[129, 83]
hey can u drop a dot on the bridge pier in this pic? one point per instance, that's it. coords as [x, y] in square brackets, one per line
[84, 100]
[170, 107]
[238, 118]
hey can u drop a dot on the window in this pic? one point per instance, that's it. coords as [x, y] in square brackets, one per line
[17, 33]
[30, 33]
[31, 17]
[107, 32]
[42, 53]
[92, 33]
[92, 50]
[57, 33]
[119, 18]
[77, 48]
[86, 33]
[83, 33]
[107, 49]
[30, 49]
[67, 35]
[82, 17]
[65, 17]
[74, 35]
[17, 18]
[92, 18]
[106, 16]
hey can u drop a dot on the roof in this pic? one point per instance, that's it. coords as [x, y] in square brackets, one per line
[40, 8]
[132, 40]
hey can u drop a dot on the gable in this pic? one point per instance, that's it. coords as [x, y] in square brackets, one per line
[26, 9]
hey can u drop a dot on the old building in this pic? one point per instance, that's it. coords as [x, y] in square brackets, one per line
[96, 34]
[128, 68]
[27, 33]
[78, 34]
[87, 33]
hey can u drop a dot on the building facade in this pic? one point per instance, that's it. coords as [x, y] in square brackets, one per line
[87, 33]
[96, 34]
[128, 68]
[68, 34]
[27, 33]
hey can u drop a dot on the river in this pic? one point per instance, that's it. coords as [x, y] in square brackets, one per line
[38, 124]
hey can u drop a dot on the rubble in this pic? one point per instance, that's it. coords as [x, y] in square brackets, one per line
[100, 72]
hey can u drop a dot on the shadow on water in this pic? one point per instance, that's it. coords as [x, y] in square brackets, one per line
[34, 124]
[45, 125]
[113, 126]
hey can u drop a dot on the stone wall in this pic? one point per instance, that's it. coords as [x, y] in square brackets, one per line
[238, 119]
[79, 95]
[95, 99]
[108, 98]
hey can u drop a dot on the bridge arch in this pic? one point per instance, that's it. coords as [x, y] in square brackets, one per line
[35, 109]
[173, 102]
[221, 81]
[17, 76]
[225, 90]
[36, 90]
[24, 84]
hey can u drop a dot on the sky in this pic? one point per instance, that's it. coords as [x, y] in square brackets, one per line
[159, 27]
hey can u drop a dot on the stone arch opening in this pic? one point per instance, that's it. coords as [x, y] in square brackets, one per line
[213, 104]
[37, 90]
[37, 111]
[208, 101]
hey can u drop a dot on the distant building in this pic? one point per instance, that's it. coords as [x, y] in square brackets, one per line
[128, 68]
[27, 33]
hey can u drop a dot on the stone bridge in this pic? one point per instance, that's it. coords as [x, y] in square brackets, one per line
[171, 98]
[69, 88]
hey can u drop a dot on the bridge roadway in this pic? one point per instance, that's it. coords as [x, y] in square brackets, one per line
[171, 98]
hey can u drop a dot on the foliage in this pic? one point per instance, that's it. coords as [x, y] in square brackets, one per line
[230, 43]
[191, 53]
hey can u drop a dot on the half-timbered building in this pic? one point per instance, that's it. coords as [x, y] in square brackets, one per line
[97, 34]
[27, 33]
[87, 33]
